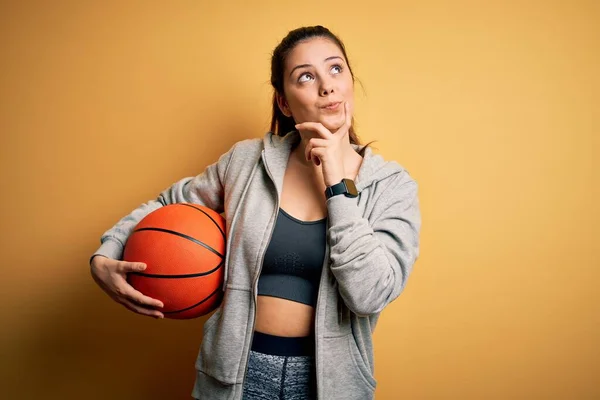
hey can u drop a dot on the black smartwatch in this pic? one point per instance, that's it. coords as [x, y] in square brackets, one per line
[345, 187]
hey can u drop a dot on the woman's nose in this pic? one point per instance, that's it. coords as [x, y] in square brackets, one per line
[326, 89]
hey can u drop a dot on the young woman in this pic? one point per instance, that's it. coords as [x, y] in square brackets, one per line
[321, 235]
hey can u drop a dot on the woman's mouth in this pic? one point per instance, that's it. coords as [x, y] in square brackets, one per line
[333, 106]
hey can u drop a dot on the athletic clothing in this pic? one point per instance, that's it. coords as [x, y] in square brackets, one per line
[294, 260]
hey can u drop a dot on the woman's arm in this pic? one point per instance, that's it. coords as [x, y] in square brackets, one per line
[371, 261]
[206, 189]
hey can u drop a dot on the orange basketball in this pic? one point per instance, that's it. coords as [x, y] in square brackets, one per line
[183, 247]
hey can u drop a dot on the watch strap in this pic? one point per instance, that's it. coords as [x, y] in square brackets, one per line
[345, 187]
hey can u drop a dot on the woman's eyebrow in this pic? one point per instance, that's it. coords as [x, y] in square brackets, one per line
[310, 65]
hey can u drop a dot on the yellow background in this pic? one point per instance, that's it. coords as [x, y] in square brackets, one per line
[492, 107]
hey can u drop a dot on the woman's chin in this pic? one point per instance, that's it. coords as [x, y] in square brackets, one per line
[332, 123]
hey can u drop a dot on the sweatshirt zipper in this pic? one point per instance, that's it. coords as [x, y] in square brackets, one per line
[255, 283]
[323, 276]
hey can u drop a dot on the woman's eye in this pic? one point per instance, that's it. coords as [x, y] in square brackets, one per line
[304, 78]
[336, 69]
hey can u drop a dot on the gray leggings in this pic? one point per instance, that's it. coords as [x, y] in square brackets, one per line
[280, 368]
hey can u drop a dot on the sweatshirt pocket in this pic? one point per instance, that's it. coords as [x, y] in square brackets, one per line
[210, 322]
[345, 370]
[224, 339]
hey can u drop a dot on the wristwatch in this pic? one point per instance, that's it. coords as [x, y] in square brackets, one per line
[345, 187]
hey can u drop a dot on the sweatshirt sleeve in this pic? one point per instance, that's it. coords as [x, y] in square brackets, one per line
[372, 259]
[206, 189]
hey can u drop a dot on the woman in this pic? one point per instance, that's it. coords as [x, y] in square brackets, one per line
[321, 235]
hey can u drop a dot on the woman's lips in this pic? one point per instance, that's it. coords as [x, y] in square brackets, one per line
[332, 106]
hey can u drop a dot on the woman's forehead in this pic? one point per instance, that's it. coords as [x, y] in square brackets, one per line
[313, 51]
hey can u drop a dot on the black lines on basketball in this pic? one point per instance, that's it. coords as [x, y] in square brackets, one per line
[183, 236]
[217, 290]
[163, 276]
[205, 213]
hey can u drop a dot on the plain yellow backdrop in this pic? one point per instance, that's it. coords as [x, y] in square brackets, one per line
[492, 107]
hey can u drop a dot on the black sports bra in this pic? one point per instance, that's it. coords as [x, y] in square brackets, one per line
[294, 260]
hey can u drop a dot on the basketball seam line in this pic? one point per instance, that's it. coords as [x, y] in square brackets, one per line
[205, 213]
[194, 305]
[177, 276]
[181, 235]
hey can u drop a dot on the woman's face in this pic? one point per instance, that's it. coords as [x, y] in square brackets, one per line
[316, 83]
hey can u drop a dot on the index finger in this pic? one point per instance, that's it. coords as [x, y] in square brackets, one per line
[347, 114]
[315, 127]
[127, 266]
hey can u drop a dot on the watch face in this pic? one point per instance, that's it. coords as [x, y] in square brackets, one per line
[350, 187]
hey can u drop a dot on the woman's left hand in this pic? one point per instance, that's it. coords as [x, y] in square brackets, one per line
[327, 150]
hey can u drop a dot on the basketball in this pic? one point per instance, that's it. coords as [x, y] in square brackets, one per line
[183, 247]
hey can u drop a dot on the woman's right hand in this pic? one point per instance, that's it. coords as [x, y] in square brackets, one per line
[111, 276]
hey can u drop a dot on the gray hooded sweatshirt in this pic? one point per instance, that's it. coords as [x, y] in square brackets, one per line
[372, 245]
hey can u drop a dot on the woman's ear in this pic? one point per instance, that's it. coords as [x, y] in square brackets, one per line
[283, 105]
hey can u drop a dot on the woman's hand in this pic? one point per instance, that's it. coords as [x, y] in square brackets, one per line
[111, 276]
[327, 150]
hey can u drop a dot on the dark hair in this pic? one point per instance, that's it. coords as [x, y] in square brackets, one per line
[280, 124]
